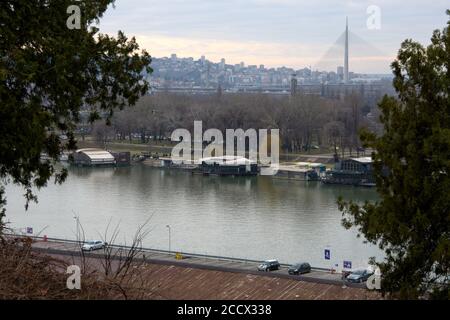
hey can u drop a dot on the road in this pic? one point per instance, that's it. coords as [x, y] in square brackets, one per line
[157, 257]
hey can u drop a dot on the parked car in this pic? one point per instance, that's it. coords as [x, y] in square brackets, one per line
[300, 268]
[269, 265]
[359, 276]
[93, 245]
[345, 274]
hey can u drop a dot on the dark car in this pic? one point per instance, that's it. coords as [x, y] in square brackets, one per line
[359, 276]
[300, 268]
[269, 265]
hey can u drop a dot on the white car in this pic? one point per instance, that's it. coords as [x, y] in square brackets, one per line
[93, 245]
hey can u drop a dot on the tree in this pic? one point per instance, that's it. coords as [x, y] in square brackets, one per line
[334, 131]
[411, 220]
[47, 73]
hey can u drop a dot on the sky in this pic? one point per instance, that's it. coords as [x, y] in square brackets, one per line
[291, 33]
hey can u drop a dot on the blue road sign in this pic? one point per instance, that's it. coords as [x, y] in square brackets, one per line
[29, 230]
[327, 254]
[347, 264]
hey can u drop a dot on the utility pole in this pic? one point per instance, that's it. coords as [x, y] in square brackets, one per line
[168, 227]
[77, 221]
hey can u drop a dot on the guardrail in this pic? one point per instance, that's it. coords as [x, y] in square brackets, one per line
[143, 249]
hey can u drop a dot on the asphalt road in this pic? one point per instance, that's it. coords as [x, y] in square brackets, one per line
[198, 262]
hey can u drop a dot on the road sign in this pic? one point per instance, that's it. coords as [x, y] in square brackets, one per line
[347, 264]
[327, 254]
[29, 230]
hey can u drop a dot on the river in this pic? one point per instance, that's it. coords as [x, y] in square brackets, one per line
[253, 218]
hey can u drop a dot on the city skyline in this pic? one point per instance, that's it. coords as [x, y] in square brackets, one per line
[258, 66]
[289, 33]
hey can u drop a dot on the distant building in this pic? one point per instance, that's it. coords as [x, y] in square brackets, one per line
[340, 73]
[294, 84]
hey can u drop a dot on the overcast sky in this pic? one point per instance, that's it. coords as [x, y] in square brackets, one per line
[293, 33]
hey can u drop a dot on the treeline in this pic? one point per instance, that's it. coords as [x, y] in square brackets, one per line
[304, 121]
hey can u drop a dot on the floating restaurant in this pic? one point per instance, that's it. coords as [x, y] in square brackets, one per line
[228, 166]
[220, 166]
[93, 157]
[352, 171]
[301, 171]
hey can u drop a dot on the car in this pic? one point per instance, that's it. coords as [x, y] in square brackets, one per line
[359, 276]
[93, 245]
[345, 274]
[299, 268]
[269, 265]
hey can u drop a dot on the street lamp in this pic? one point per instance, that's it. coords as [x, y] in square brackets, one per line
[77, 220]
[168, 227]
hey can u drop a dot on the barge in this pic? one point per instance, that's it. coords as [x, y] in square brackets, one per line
[352, 171]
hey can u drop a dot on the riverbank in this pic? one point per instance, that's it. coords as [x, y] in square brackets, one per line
[164, 148]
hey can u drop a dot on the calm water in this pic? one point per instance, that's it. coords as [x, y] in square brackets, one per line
[255, 218]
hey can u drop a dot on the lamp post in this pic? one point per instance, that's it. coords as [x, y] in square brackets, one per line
[168, 227]
[77, 220]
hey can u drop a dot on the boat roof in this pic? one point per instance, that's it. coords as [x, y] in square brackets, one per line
[96, 154]
[292, 169]
[309, 164]
[363, 159]
[227, 160]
